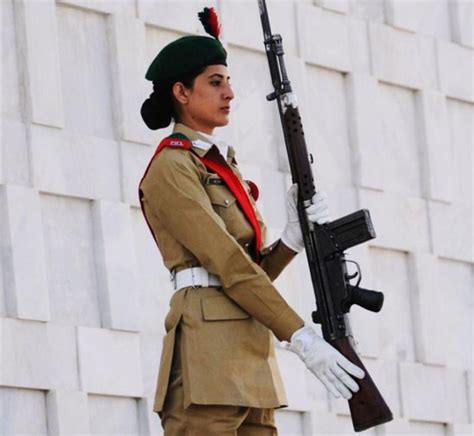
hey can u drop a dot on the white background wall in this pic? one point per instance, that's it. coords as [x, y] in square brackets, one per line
[386, 95]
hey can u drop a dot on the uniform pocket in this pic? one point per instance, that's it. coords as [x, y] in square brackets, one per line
[221, 308]
[220, 195]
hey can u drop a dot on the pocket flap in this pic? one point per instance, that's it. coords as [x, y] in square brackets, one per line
[220, 308]
[220, 195]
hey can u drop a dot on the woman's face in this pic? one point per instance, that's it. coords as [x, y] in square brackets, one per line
[207, 104]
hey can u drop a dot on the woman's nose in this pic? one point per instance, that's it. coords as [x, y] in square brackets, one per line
[229, 94]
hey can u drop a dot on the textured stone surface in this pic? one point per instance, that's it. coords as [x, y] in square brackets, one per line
[25, 354]
[67, 413]
[436, 148]
[455, 82]
[42, 61]
[116, 265]
[395, 56]
[104, 357]
[366, 130]
[462, 17]
[69, 239]
[113, 415]
[15, 404]
[316, 24]
[23, 254]
[424, 391]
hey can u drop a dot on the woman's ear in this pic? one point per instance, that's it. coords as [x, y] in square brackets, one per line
[180, 93]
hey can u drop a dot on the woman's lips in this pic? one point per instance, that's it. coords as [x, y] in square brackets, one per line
[225, 109]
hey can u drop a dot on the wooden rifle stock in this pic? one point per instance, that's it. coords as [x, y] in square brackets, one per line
[367, 406]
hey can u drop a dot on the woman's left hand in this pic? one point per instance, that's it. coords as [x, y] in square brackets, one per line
[317, 212]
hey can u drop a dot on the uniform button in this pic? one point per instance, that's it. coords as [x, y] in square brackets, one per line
[226, 201]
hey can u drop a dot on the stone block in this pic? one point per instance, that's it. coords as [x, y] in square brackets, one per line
[233, 14]
[63, 346]
[42, 61]
[150, 350]
[366, 130]
[10, 72]
[74, 164]
[116, 265]
[135, 159]
[461, 13]
[428, 306]
[327, 136]
[395, 326]
[459, 429]
[113, 415]
[168, 14]
[401, 222]
[436, 149]
[458, 387]
[460, 115]
[424, 390]
[455, 82]
[154, 286]
[129, 66]
[427, 18]
[318, 423]
[15, 156]
[23, 258]
[109, 362]
[69, 246]
[470, 393]
[395, 57]
[67, 413]
[289, 422]
[88, 92]
[412, 428]
[103, 6]
[428, 62]
[450, 224]
[331, 30]
[293, 373]
[25, 354]
[23, 412]
[148, 421]
[400, 140]
[334, 5]
[372, 11]
[359, 45]
[455, 282]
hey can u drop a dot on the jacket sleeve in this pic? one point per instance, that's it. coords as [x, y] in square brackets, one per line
[174, 193]
[275, 258]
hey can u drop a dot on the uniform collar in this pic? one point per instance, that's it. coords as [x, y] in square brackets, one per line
[202, 142]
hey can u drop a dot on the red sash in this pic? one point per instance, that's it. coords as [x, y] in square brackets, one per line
[230, 179]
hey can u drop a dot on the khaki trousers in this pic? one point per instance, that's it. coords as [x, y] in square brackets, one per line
[214, 420]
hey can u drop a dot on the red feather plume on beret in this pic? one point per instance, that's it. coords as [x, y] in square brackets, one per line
[210, 21]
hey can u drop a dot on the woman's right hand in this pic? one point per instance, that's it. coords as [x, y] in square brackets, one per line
[317, 212]
[325, 362]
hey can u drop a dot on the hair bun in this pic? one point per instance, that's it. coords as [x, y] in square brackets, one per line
[156, 112]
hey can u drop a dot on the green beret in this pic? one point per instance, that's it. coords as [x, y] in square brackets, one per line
[184, 56]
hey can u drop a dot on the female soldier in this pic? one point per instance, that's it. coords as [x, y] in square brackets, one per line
[218, 374]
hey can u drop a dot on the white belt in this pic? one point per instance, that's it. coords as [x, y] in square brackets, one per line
[196, 277]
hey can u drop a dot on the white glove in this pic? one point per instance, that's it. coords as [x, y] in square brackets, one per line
[317, 212]
[325, 362]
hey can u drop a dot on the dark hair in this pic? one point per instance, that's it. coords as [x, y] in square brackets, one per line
[158, 110]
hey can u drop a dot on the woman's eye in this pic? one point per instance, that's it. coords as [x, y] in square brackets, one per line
[215, 83]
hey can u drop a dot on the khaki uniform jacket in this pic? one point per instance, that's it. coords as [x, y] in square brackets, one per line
[227, 349]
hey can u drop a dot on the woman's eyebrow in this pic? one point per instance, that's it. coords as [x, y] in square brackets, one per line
[217, 74]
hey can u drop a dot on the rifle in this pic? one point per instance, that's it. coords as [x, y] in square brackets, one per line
[325, 244]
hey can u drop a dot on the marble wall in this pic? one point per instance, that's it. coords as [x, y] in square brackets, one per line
[386, 95]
